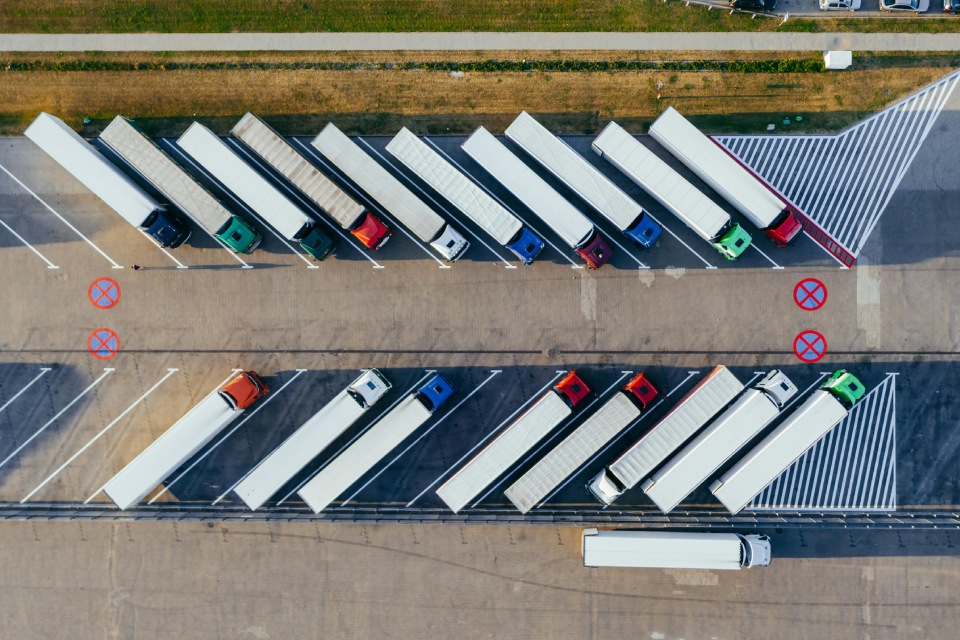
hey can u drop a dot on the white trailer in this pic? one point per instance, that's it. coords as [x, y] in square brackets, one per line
[566, 221]
[734, 182]
[510, 444]
[821, 412]
[279, 154]
[375, 444]
[695, 409]
[674, 550]
[726, 435]
[464, 194]
[311, 439]
[672, 190]
[379, 184]
[223, 163]
[584, 179]
[106, 181]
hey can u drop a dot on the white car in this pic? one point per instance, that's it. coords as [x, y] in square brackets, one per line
[917, 6]
[839, 5]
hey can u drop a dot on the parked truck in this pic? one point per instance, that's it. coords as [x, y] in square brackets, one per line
[720, 441]
[584, 179]
[695, 409]
[727, 176]
[607, 422]
[185, 438]
[307, 442]
[379, 184]
[509, 446]
[170, 179]
[464, 194]
[223, 163]
[821, 412]
[556, 211]
[672, 190]
[279, 154]
[674, 550]
[379, 440]
[106, 181]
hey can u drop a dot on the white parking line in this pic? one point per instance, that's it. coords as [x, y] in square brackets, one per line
[437, 204]
[170, 372]
[180, 265]
[226, 435]
[374, 205]
[555, 435]
[105, 373]
[43, 371]
[62, 219]
[709, 264]
[769, 259]
[50, 265]
[183, 156]
[534, 397]
[493, 372]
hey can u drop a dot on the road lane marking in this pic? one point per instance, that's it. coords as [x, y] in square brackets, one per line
[50, 265]
[43, 371]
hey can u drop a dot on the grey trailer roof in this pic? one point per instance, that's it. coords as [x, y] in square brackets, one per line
[701, 403]
[298, 450]
[501, 454]
[378, 183]
[462, 192]
[561, 216]
[280, 154]
[224, 164]
[364, 453]
[761, 466]
[661, 549]
[573, 170]
[726, 435]
[178, 443]
[167, 176]
[578, 447]
[654, 176]
[87, 165]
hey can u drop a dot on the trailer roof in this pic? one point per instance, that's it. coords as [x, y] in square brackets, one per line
[661, 549]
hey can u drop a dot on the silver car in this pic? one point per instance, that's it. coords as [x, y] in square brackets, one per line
[917, 6]
[839, 5]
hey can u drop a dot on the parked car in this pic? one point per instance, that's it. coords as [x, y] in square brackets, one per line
[951, 6]
[917, 6]
[841, 5]
[755, 5]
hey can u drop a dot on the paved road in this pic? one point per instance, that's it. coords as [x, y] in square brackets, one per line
[481, 42]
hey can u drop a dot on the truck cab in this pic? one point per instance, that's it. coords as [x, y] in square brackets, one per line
[786, 228]
[368, 388]
[450, 243]
[166, 229]
[641, 390]
[605, 487]
[645, 232]
[243, 390]
[435, 392]
[572, 389]
[371, 232]
[318, 244]
[777, 387]
[237, 234]
[733, 242]
[526, 246]
[756, 551]
[845, 386]
[595, 251]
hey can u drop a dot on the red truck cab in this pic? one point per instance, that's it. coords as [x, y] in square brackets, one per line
[572, 389]
[371, 232]
[595, 251]
[641, 390]
[244, 390]
[786, 228]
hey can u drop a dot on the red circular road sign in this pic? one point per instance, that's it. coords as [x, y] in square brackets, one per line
[104, 293]
[103, 343]
[810, 294]
[810, 345]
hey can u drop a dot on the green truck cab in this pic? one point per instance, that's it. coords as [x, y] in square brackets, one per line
[845, 386]
[239, 235]
[733, 242]
[318, 244]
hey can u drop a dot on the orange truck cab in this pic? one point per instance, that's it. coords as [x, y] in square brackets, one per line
[244, 390]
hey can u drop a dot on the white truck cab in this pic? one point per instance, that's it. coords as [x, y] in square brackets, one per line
[369, 388]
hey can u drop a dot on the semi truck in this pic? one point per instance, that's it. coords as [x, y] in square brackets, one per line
[382, 438]
[178, 186]
[223, 163]
[307, 442]
[673, 191]
[620, 411]
[821, 412]
[556, 211]
[506, 449]
[379, 184]
[674, 550]
[184, 439]
[107, 182]
[695, 409]
[557, 157]
[464, 194]
[279, 154]
[727, 176]
[731, 431]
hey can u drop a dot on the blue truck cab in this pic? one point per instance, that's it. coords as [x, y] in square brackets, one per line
[435, 392]
[167, 229]
[645, 231]
[527, 245]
